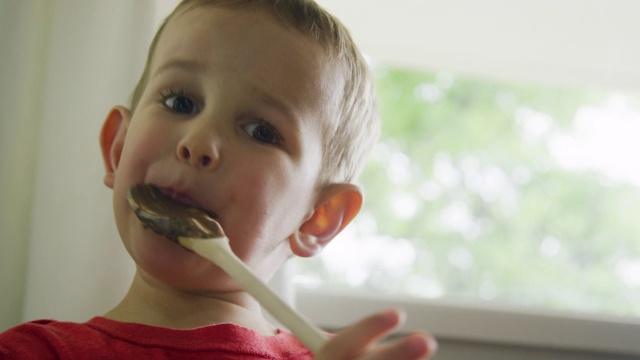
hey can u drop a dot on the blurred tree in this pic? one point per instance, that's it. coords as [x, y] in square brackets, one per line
[465, 174]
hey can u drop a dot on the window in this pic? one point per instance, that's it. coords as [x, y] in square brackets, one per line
[508, 193]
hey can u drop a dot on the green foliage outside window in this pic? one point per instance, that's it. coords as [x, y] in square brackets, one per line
[467, 196]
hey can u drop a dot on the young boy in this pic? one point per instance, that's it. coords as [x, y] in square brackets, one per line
[260, 112]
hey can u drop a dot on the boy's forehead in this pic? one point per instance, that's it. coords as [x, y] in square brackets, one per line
[240, 27]
[220, 24]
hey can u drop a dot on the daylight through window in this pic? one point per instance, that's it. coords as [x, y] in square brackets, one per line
[514, 193]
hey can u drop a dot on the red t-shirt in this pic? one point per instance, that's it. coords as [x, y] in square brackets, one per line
[101, 338]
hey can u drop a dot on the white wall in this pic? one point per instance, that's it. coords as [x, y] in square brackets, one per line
[592, 42]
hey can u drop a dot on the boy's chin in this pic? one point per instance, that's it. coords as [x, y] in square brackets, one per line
[165, 262]
[190, 277]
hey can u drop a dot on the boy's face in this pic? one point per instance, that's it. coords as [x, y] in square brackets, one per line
[232, 120]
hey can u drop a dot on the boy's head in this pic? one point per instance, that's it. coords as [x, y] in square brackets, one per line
[260, 121]
[349, 137]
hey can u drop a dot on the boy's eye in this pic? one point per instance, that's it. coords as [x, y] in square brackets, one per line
[180, 104]
[263, 132]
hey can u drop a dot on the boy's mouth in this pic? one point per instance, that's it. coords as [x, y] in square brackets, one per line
[171, 216]
[183, 199]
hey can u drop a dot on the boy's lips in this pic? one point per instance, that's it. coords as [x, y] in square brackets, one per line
[184, 199]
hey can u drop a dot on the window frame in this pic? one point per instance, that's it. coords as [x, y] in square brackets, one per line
[480, 322]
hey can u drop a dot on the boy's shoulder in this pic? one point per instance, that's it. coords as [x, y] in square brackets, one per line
[40, 339]
[101, 338]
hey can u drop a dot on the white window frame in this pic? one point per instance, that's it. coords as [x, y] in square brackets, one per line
[480, 322]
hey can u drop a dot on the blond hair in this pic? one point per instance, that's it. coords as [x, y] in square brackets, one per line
[351, 136]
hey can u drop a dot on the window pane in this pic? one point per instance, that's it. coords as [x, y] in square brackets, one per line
[519, 193]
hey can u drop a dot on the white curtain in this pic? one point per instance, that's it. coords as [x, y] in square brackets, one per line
[63, 64]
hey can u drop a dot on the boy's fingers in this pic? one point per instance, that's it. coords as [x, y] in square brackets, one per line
[410, 347]
[355, 340]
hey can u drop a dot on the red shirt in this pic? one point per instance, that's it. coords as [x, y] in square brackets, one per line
[101, 338]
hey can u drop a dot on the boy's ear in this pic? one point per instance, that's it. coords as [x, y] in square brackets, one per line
[112, 138]
[337, 205]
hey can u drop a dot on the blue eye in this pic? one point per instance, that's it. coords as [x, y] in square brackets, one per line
[263, 132]
[179, 103]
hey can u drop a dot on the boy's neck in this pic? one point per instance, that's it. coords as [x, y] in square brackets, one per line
[153, 305]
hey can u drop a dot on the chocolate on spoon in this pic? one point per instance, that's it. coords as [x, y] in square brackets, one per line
[170, 218]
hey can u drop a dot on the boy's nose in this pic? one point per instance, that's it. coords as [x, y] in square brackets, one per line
[199, 150]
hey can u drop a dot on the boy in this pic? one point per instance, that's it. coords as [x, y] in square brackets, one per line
[260, 112]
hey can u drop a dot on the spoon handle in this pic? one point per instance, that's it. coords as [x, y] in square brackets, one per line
[218, 251]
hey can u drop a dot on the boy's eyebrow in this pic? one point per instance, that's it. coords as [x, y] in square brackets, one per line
[183, 64]
[273, 102]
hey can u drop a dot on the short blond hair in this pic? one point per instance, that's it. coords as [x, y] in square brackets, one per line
[353, 134]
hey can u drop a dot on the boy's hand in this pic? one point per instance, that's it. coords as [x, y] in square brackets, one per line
[360, 341]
